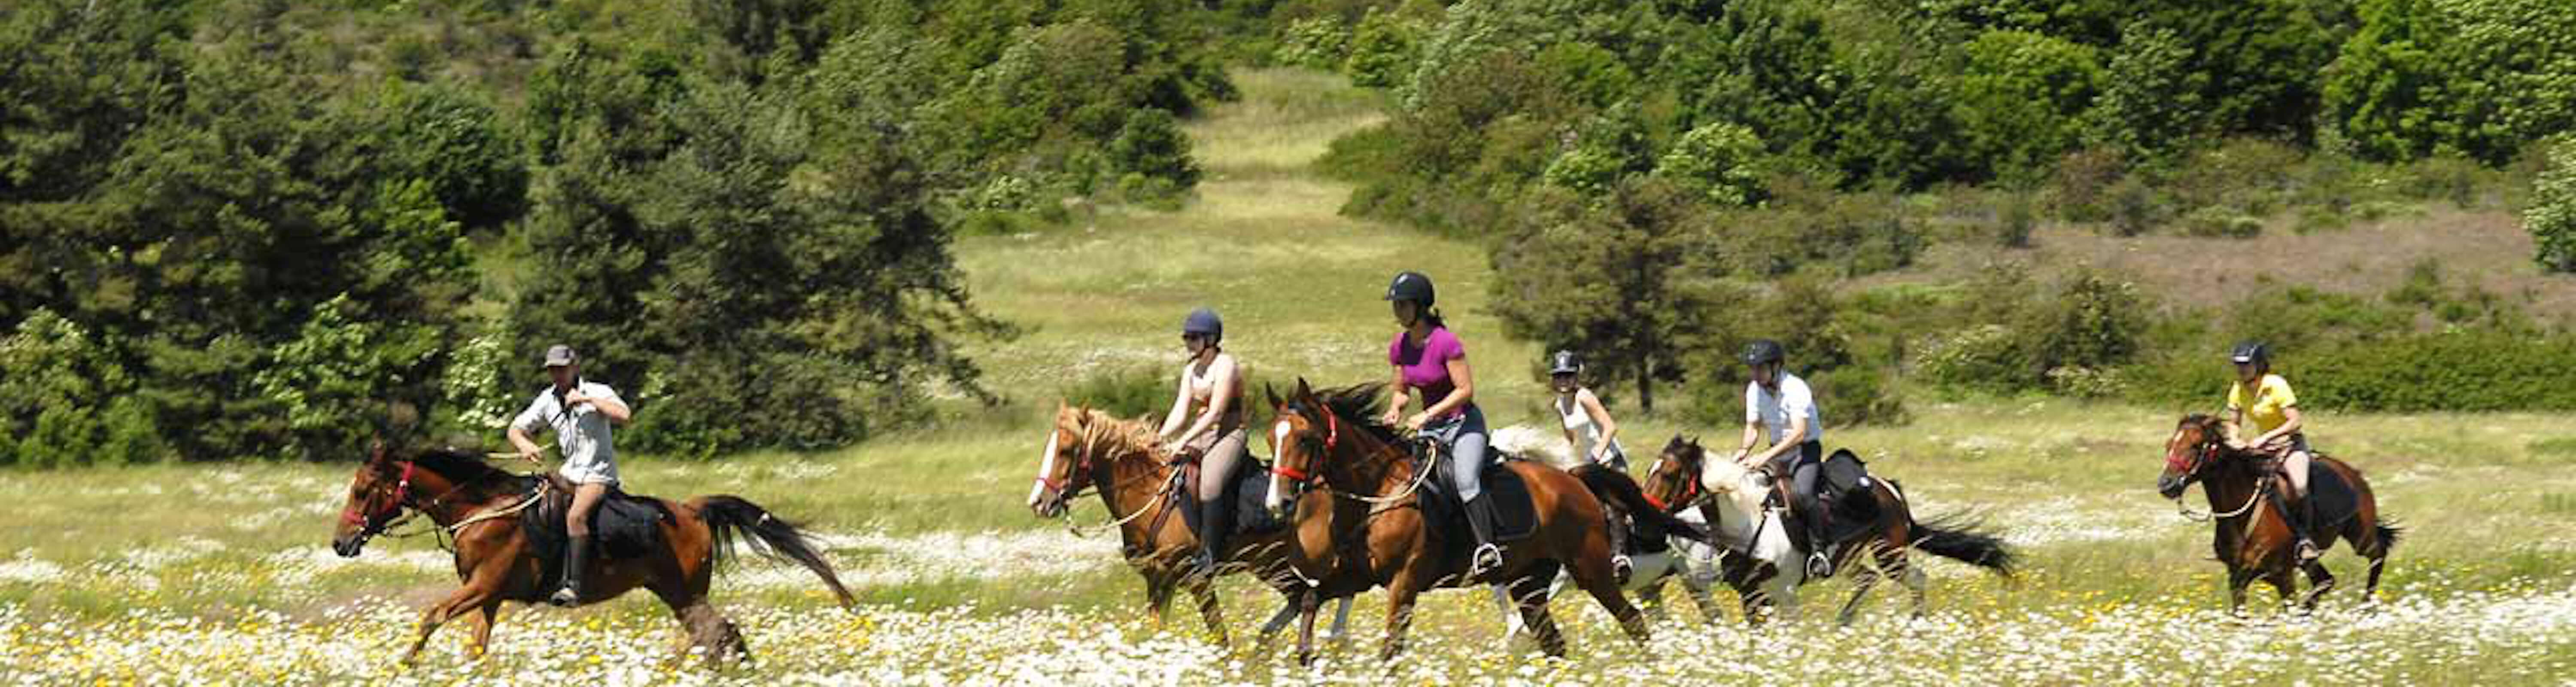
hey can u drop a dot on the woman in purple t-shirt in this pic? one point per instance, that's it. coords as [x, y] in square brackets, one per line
[1430, 360]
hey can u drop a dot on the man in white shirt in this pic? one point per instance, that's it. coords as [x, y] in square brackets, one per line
[580, 413]
[1780, 405]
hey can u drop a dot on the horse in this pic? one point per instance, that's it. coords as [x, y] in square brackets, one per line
[1731, 498]
[1088, 449]
[1334, 440]
[481, 507]
[2240, 490]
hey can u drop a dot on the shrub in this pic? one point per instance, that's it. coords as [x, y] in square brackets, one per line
[1985, 357]
[1383, 49]
[2083, 183]
[1315, 43]
[1130, 391]
[2134, 208]
[1716, 162]
[2218, 221]
[1857, 396]
[2551, 217]
[1152, 144]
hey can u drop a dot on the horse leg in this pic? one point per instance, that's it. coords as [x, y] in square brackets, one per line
[1204, 588]
[484, 618]
[1512, 625]
[2283, 579]
[1860, 589]
[2320, 581]
[1279, 621]
[2237, 580]
[1399, 614]
[1528, 598]
[1307, 604]
[1651, 599]
[1158, 594]
[1341, 623]
[1594, 575]
[477, 590]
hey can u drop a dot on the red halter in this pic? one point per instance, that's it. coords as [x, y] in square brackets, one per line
[402, 489]
[1332, 440]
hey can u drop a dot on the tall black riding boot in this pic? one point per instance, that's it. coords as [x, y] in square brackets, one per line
[1192, 516]
[576, 564]
[1480, 522]
[1216, 522]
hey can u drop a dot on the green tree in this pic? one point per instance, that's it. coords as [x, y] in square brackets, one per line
[2551, 217]
[1607, 280]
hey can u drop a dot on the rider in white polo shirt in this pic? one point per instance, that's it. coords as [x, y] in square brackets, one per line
[580, 413]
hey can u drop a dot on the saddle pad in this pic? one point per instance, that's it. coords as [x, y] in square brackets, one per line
[2336, 501]
[623, 527]
[1515, 518]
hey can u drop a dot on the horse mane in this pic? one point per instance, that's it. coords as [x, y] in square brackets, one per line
[457, 465]
[1119, 437]
[1359, 405]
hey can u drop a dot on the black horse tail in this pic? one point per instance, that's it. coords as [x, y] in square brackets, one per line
[731, 518]
[2389, 533]
[1618, 489]
[1962, 539]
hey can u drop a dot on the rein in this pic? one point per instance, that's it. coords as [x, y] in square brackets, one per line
[2188, 514]
[1090, 448]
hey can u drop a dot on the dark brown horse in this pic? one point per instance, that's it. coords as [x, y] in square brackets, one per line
[1090, 450]
[2253, 538]
[1333, 439]
[1771, 573]
[481, 506]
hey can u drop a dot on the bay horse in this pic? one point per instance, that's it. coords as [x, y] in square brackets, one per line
[1730, 499]
[1334, 439]
[2253, 538]
[480, 506]
[1091, 450]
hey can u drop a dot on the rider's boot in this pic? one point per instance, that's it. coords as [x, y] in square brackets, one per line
[1216, 521]
[1819, 521]
[1480, 522]
[1195, 519]
[1621, 568]
[576, 564]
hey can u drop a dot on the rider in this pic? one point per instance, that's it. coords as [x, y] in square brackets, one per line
[1212, 382]
[1588, 426]
[1430, 360]
[1781, 403]
[580, 412]
[2266, 399]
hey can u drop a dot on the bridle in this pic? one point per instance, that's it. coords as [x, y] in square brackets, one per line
[1332, 440]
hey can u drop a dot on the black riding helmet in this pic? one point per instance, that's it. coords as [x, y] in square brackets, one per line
[1564, 363]
[2255, 353]
[1411, 286]
[1204, 322]
[1764, 351]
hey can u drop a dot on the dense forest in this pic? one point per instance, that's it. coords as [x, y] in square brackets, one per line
[254, 228]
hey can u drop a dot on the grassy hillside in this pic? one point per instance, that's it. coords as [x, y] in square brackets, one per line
[224, 573]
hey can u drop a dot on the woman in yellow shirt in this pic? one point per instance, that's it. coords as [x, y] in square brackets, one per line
[2265, 400]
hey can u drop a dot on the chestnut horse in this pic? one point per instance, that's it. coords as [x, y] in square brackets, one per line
[1334, 439]
[1731, 502]
[480, 506]
[1089, 450]
[2253, 539]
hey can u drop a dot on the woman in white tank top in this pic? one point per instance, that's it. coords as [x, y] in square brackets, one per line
[1587, 425]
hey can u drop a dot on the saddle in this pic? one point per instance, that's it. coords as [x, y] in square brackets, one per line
[1249, 489]
[2330, 496]
[1514, 517]
[1848, 486]
[624, 527]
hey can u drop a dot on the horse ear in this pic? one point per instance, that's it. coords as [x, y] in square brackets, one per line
[1304, 390]
[376, 450]
[1271, 393]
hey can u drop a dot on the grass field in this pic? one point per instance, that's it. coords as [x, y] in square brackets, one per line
[223, 574]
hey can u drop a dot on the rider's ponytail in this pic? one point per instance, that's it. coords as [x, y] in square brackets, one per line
[1433, 315]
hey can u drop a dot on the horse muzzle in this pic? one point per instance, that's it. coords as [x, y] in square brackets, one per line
[2171, 486]
[349, 546]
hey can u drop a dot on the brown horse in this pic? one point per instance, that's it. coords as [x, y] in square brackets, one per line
[2253, 538]
[1090, 450]
[1333, 438]
[1770, 574]
[481, 507]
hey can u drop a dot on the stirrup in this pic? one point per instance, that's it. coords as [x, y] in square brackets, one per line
[1488, 557]
[2308, 551]
[1621, 568]
[565, 597]
[1818, 565]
